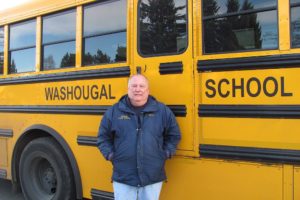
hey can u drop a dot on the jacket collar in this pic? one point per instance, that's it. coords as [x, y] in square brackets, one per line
[151, 105]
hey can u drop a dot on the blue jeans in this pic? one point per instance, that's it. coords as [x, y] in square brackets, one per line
[127, 192]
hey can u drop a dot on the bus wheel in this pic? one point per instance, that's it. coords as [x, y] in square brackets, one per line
[45, 172]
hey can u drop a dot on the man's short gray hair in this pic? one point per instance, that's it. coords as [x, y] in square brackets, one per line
[147, 81]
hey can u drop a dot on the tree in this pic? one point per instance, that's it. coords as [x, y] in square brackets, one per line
[212, 40]
[231, 33]
[230, 41]
[88, 59]
[1, 62]
[49, 62]
[159, 27]
[12, 67]
[120, 54]
[250, 22]
[101, 57]
[68, 60]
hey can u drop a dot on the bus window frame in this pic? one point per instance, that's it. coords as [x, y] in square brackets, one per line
[161, 54]
[83, 38]
[259, 10]
[21, 48]
[58, 41]
[2, 27]
[292, 5]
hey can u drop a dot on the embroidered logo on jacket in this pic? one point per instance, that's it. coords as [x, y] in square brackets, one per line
[124, 117]
[150, 114]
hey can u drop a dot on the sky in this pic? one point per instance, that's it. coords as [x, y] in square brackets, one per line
[10, 3]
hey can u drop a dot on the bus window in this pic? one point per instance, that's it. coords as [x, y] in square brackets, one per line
[22, 37]
[104, 34]
[162, 27]
[239, 25]
[59, 33]
[1, 49]
[295, 22]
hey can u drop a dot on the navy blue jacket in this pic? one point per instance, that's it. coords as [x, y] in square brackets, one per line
[139, 144]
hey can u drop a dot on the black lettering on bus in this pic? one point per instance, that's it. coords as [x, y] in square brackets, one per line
[49, 93]
[224, 95]
[86, 92]
[283, 93]
[56, 95]
[110, 92]
[265, 83]
[63, 93]
[238, 87]
[103, 92]
[70, 93]
[257, 92]
[211, 88]
[77, 92]
[94, 92]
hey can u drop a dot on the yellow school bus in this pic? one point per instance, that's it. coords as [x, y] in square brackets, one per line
[228, 69]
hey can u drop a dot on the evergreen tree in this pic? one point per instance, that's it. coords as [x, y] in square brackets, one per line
[101, 57]
[230, 41]
[88, 59]
[12, 67]
[210, 8]
[1, 62]
[250, 22]
[68, 60]
[120, 54]
[212, 35]
[158, 22]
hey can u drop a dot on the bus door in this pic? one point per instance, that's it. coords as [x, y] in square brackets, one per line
[163, 53]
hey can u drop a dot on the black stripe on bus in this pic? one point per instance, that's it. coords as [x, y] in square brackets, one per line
[83, 110]
[3, 174]
[101, 195]
[6, 133]
[67, 76]
[262, 62]
[252, 111]
[178, 110]
[171, 68]
[250, 153]
[87, 140]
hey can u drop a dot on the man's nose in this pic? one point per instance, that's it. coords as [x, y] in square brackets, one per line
[138, 88]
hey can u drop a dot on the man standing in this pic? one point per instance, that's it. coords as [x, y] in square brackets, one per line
[137, 135]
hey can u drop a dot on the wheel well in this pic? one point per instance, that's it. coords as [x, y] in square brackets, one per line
[35, 132]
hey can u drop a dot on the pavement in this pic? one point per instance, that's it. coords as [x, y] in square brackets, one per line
[6, 191]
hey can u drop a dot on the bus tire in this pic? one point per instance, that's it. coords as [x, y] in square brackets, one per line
[45, 172]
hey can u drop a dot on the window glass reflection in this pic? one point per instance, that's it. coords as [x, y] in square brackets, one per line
[59, 55]
[22, 35]
[22, 61]
[219, 7]
[60, 26]
[104, 42]
[105, 49]
[1, 49]
[97, 16]
[295, 26]
[240, 32]
[294, 1]
[162, 27]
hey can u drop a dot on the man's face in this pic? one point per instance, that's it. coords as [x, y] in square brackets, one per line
[138, 90]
